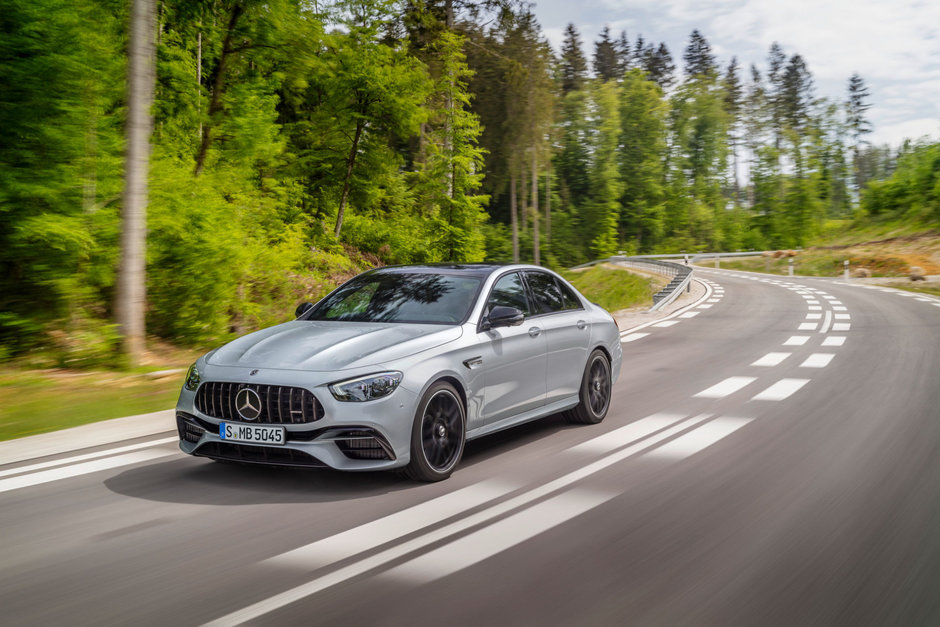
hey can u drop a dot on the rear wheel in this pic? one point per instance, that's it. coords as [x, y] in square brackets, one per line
[595, 391]
[438, 435]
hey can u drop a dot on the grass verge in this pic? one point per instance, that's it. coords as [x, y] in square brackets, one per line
[930, 290]
[613, 288]
[39, 401]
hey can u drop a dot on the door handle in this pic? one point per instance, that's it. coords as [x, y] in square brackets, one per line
[534, 332]
[582, 324]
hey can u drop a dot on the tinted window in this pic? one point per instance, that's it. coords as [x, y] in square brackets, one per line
[546, 291]
[509, 292]
[571, 300]
[392, 297]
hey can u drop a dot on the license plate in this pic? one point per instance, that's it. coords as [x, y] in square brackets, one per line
[251, 433]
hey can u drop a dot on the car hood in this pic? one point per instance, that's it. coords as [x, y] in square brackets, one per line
[326, 346]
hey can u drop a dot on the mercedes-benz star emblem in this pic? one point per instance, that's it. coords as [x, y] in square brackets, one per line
[248, 404]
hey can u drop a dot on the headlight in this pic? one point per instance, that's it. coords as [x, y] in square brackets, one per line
[192, 379]
[366, 388]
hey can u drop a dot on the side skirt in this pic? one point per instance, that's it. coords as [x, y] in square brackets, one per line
[532, 414]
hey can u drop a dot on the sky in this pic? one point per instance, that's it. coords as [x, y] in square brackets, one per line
[893, 44]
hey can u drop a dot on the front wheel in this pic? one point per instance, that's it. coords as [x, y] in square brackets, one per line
[594, 399]
[438, 435]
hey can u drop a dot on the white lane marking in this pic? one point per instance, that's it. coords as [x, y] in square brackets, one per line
[841, 326]
[839, 308]
[708, 306]
[87, 456]
[813, 316]
[392, 527]
[807, 326]
[690, 314]
[712, 300]
[365, 565]
[812, 301]
[45, 476]
[824, 328]
[498, 537]
[726, 387]
[843, 316]
[924, 300]
[817, 360]
[666, 323]
[835, 302]
[627, 434]
[936, 304]
[834, 340]
[829, 297]
[699, 439]
[771, 359]
[781, 389]
[633, 337]
[796, 340]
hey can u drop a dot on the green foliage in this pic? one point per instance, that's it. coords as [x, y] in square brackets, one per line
[912, 193]
[613, 288]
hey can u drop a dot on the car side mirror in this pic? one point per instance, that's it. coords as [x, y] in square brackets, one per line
[501, 316]
[302, 308]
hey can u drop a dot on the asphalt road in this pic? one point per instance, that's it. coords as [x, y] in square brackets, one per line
[772, 458]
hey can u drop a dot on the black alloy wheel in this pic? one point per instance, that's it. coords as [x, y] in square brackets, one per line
[439, 434]
[595, 391]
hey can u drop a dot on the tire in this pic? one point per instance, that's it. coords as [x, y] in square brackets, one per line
[438, 435]
[594, 399]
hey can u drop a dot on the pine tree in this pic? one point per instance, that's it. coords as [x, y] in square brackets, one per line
[605, 57]
[624, 54]
[856, 108]
[733, 102]
[796, 94]
[660, 68]
[573, 66]
[857, 123]
[698, 57]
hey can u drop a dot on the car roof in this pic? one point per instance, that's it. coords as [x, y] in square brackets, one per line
[479, 270]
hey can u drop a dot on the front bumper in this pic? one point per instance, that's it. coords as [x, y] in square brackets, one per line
[373, 435]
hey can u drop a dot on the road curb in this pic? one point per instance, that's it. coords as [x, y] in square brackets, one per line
[87, 436]
[708, 293]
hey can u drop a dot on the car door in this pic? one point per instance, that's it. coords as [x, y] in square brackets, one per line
[567, 332]
[513, 357]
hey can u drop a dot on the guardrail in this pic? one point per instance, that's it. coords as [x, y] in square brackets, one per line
[680, 275]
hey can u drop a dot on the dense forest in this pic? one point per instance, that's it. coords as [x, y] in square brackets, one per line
[297, 142]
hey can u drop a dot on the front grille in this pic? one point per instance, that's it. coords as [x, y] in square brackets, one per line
[279, 404]
[363, 445]
[187, 427]
[271, 455]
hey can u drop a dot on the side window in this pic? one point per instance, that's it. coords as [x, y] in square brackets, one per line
[571, 301]
[509, 292]
[546, 291]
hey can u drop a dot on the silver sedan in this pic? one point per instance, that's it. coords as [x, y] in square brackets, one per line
[399, 367]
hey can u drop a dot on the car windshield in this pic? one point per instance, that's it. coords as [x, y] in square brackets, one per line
[399, 297]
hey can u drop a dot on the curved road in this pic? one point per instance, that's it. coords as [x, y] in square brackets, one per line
[772, 456]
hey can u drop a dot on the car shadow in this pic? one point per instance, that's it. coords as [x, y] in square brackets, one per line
[201, 481]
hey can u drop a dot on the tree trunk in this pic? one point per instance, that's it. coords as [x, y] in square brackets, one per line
[514, 217]
[523, 206]
[535, 207]
[215, 101]
[548, 201]
[350, 162]
[131, 283]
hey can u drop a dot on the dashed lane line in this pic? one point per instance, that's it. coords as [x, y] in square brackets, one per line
[781, 390]
[817, 360]
[726, 387]
[771, 359]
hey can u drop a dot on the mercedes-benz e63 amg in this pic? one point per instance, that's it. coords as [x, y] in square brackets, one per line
[399, 367]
